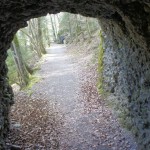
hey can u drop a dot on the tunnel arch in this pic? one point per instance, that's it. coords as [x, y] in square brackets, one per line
[126, 73]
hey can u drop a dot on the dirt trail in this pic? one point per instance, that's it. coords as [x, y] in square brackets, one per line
[81, 130]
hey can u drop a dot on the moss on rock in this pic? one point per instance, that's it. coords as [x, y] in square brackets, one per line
[100, 65]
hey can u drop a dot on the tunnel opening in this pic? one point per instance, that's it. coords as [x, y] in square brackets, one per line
[125, 27]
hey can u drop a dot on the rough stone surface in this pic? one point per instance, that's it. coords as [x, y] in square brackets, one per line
[126, 26]
[127, 75]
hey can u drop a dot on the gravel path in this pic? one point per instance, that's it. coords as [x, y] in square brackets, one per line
[82, 129]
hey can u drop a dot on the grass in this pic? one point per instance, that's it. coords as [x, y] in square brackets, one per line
[32, 80]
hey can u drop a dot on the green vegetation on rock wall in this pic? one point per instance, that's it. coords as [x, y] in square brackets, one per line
[100, 65]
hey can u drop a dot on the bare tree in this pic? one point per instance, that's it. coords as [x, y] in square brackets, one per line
[23, 74]
[77, 27]
[40, 38]
[53, 29]
[34, 33]
[88, 27]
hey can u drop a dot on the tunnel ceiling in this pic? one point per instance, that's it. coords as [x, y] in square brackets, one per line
[133, 12]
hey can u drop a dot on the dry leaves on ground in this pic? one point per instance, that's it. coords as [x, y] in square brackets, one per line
[34, 124]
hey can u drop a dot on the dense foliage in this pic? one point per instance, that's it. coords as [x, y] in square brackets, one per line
[72, 26]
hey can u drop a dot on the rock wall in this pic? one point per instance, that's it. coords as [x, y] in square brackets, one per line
[126, 73]
[126, 30]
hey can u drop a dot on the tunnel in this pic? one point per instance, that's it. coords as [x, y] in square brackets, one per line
[126, 60]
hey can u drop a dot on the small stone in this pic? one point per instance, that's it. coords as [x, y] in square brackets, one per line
[15, 126]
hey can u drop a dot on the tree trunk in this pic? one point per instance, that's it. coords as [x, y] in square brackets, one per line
[40, 38]
[22, 71]
[53, 29]
[77, 27]
[34, 37]
[55, 25]
[88, 27]
[58, 18]
[47, 34]
[70, 30]
[81, 31]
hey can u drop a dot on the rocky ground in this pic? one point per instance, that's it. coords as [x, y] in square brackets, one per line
[64, 110]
